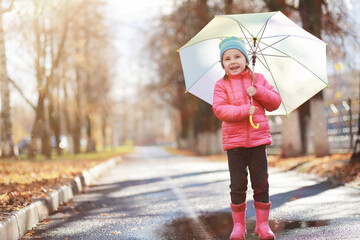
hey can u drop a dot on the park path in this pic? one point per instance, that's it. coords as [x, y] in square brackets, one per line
[154, 195]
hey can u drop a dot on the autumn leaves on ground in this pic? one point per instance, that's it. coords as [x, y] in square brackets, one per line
[23, 180]
[336, 168]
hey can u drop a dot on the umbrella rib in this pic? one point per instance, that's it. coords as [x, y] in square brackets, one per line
[266, 65]
[201, 76]
[273, 55]
[300, 64]
[262, 30]
[291, 35]
[285, 37]
[262, 34]
[271, 45]
[241, 28]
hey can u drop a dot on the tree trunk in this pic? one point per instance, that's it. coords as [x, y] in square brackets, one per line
[319, 127]
[228, 6]
[68, 126]
[41, 124]
[41, 132]
[103, 131]
[6, 140]
[355, 157]
[76, 133]
[291, 143]
[37, 127]
[54, 119]
[187, 135]
[356, 153]
[311, 15]
[91, 145]
[304, 121]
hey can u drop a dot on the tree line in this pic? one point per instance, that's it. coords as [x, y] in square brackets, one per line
[68, 47]
[67, 44]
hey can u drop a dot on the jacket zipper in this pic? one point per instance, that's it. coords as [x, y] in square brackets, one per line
[247, 122]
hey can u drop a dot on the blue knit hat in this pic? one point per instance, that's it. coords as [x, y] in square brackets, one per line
[232, 42]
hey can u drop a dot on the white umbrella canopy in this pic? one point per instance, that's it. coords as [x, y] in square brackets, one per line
[290, 58]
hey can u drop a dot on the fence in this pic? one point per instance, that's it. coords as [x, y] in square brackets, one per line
[342, 124]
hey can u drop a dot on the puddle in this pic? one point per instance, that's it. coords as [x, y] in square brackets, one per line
[219, 226]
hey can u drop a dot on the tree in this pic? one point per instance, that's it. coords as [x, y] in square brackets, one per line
[92, 73]
[177, 28]
[45, 74]
[355, 157]
[6, 140]
[68, 41]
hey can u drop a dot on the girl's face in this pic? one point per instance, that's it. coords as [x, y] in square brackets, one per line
[234, 61]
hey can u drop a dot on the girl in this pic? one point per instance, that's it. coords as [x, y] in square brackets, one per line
[245, 145]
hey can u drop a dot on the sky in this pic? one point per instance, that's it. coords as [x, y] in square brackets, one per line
[130, 19]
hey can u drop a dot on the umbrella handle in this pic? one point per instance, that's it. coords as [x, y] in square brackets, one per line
[252, 124]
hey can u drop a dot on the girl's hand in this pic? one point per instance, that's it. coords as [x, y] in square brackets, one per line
[251, 91]
[252, 109]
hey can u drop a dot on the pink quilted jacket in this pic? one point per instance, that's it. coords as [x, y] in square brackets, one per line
[231, 105]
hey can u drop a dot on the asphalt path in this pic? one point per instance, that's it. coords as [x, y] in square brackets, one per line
[154, 195]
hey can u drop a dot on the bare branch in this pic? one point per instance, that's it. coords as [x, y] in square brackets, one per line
[22, 94]
[8, 8]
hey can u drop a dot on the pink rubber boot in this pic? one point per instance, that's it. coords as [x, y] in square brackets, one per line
[262, 221]
[238, 215]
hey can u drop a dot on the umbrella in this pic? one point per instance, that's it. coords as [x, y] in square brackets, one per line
[290, 58]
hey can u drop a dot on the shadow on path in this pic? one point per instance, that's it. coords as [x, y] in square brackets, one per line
[278, 200]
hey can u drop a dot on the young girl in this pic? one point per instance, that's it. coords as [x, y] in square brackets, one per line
[245, 145]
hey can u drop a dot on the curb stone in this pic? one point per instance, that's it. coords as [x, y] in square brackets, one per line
[18, 223]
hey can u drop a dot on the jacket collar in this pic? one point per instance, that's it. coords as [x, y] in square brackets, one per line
[239, 75]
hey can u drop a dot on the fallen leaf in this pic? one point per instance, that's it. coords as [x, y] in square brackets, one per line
[45, 221]
[29, 233]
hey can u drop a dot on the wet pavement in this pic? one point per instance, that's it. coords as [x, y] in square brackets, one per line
[219, 226]
[155, 195]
